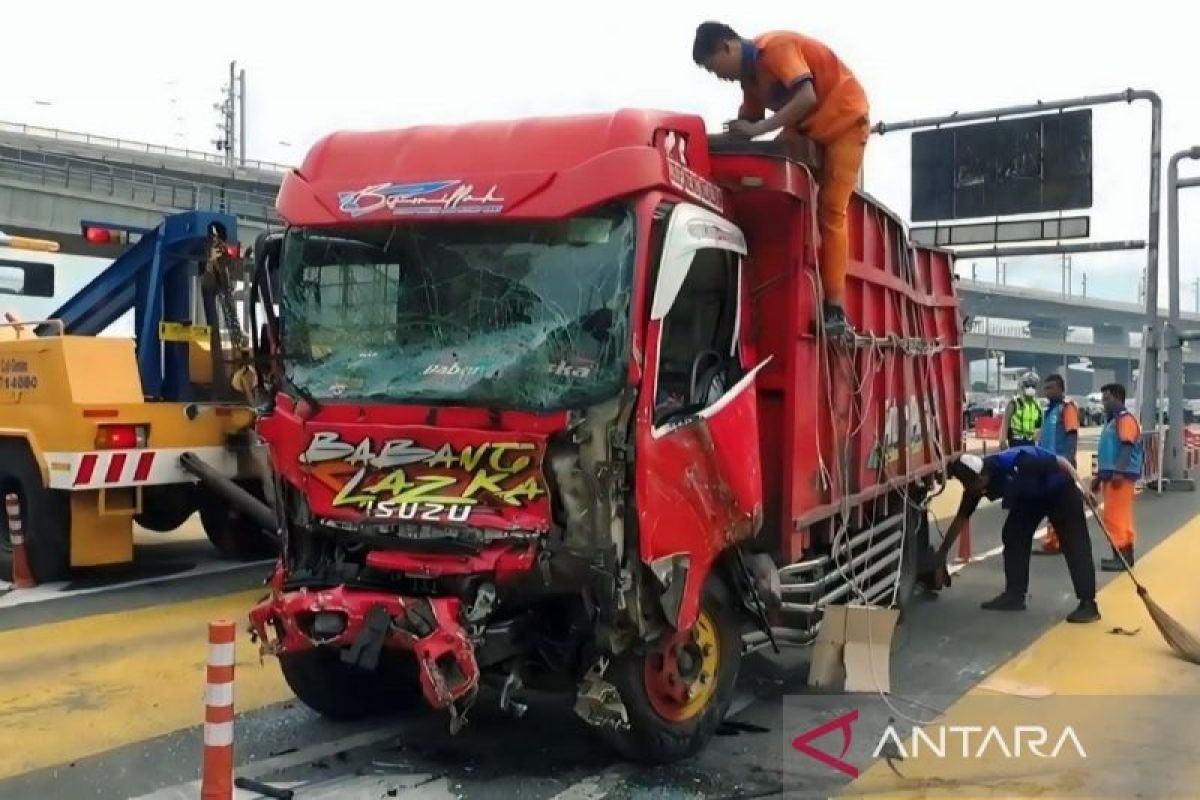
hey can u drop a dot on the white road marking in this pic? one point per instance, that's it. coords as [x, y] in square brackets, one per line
[597, 786]
[58, 591]
[259, 769]
[959, 566]
[740, 703]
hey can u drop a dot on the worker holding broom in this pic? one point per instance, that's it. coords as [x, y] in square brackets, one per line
[1060, 435]
[814, 95]
[1118, 467]
[1033, 484]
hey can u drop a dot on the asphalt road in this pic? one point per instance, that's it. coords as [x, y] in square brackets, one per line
[945, 646]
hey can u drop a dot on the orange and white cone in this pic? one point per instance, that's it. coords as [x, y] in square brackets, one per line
[22, 575]
[216, 778]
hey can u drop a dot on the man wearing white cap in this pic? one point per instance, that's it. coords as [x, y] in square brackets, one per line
[1033, 484]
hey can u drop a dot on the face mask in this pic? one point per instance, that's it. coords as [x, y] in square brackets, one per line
[1030, 391]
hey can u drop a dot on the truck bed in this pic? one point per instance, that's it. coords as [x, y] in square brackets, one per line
[843, 424]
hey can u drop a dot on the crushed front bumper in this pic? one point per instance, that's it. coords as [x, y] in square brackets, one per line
[362, 623]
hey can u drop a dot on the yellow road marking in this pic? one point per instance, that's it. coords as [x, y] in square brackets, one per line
[77, 688]
[1143, 750]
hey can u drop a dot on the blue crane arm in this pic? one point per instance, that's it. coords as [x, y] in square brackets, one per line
[153, 278]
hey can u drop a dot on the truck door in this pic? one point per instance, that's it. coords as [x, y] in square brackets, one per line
[698, 473]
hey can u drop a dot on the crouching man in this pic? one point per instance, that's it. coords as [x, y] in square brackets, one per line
[1033, 484]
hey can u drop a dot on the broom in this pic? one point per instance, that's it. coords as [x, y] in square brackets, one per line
[1178, 637]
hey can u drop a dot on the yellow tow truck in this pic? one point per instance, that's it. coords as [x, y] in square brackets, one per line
[93, 428]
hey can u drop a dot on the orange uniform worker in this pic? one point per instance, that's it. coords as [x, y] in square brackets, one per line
[1060, 435]
[812, 93]
[1118, 465]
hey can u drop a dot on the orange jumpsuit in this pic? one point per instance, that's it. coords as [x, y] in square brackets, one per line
[1118, 490]
[782, 62]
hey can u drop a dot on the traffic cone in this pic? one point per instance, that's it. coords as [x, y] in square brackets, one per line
[22, 576]
[216, 777]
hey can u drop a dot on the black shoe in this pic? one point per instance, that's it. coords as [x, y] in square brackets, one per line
[1087, 611]
[835, 322]
[1114, 564]
[1005, 602]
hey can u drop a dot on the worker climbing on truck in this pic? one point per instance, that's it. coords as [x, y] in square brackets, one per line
[1033, 484]
[813, 94]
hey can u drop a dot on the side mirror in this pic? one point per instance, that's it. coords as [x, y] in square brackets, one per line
[26, 278]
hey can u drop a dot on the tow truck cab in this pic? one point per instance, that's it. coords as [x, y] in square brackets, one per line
[537, 418]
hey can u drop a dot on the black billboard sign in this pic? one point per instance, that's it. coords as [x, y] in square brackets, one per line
[1027, 165]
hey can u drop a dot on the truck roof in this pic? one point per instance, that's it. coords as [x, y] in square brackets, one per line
[542, 167]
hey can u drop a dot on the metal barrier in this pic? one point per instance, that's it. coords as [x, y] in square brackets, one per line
[987, 429]
[1152, 458]
[1191, 450]
[140, 187]
[134, 147]
[984, 327]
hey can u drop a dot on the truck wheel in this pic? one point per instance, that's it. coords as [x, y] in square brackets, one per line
[344, 693]
[235, 535]
[677, 690]
[45, 514]
[165, 508]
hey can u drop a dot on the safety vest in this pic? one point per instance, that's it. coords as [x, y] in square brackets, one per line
[1054, 433]
[1026, 417]
[1110, 448]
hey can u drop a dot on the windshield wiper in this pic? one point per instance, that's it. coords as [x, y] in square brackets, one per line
[303, 393]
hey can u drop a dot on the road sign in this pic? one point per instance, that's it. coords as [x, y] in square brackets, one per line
[1026, 165]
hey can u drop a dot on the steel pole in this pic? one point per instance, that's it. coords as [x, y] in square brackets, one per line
[1148, 385]
[230, 110]
[1173, 456]
[242, 117]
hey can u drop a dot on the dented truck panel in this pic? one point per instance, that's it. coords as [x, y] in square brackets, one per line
[536, 386]
[699, 484]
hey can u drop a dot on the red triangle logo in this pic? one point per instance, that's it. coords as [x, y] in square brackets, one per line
[803, 743]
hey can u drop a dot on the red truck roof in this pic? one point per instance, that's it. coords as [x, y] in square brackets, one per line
[540, 167]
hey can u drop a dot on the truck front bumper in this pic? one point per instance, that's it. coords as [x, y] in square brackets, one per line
[360, 623]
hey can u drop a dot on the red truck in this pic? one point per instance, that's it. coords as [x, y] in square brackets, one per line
[549, 411]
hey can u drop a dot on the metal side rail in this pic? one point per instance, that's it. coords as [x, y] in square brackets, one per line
[869, 559]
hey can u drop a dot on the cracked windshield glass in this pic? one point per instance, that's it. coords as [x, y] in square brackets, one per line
[521, 315]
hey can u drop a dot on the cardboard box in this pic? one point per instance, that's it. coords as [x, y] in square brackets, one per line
[853, 649]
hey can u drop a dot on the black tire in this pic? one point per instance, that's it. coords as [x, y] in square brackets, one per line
[165, 508]
[652, 738]
[344, 693]
[235, 535]
[45, 514]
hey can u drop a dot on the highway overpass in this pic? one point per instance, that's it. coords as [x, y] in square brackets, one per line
[51, 179]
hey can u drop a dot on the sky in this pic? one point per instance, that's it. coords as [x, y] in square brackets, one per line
[137, 70]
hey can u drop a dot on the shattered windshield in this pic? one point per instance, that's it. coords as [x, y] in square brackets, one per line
[521, 315]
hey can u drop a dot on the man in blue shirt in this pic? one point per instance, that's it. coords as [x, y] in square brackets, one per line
[1033, 484]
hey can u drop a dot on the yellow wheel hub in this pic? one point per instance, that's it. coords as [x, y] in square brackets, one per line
[681, 676]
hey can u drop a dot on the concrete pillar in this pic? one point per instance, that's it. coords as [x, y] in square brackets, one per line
[1118, 372]
[1043, 328]
[1191, 381]
[1045, 365]
[1110, 334]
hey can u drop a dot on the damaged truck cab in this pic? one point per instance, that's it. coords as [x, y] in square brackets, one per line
[549, 412]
